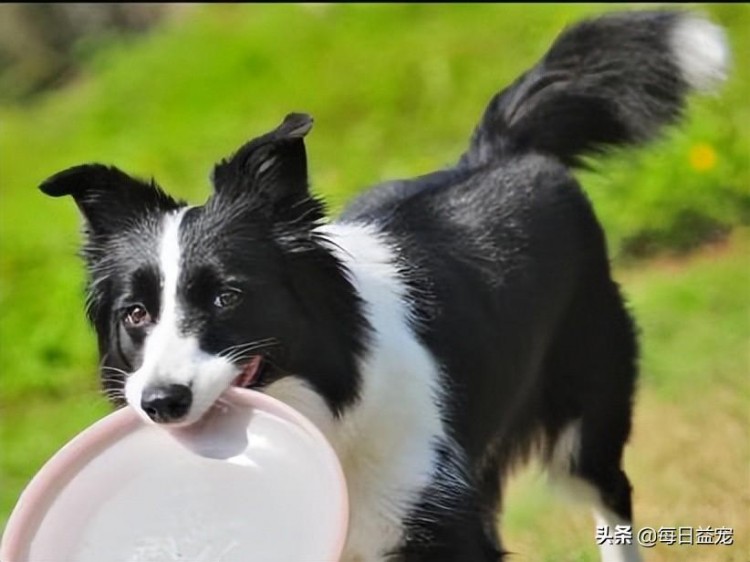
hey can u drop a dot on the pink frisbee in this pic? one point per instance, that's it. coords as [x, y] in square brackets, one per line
[253, 480]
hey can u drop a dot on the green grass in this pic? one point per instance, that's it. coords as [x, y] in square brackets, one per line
[395, 91]
[684, 310]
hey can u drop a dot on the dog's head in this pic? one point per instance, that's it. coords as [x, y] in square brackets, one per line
[187, 301]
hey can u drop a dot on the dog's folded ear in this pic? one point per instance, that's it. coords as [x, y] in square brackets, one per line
[107, 197]
[270, 169]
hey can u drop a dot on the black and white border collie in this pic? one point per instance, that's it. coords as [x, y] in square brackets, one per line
[440, 329]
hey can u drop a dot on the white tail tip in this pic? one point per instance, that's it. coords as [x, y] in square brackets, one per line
[702, 52]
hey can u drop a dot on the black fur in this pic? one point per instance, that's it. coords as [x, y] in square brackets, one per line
[609, 81]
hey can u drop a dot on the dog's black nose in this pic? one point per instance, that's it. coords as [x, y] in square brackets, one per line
[167, 403]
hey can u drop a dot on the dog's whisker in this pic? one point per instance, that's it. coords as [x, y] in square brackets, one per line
[247, 347]
[240, 355]
[107, 370]
[255, 342]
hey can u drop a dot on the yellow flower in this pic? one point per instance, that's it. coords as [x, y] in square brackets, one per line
[703, 157]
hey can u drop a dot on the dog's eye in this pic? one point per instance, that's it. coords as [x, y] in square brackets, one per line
[227, 298]
[136, 316]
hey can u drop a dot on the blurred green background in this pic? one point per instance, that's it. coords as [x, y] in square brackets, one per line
[395, 91]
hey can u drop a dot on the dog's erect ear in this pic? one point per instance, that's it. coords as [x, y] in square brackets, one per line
[272, 169]
[107, 197]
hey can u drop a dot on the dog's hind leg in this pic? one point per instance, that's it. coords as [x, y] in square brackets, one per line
[590, 426]
[609, 491]
[582, 469]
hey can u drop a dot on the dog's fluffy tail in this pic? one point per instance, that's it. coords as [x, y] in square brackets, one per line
[615, 80]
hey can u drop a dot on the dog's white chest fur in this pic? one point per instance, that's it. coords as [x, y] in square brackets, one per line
[384, 441]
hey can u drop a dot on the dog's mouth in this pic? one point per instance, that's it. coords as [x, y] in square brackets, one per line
[256, 372]
[252, 373]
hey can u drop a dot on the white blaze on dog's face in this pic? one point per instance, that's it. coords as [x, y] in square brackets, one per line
[219, 300]
[177, 380]
[187, 301]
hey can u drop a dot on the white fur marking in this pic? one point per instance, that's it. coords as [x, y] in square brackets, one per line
[701, 50]
[384, 441]
[564, 455]
[169, 356]
[581, 490]
[567, 448]
[616, 552]
[562, 460]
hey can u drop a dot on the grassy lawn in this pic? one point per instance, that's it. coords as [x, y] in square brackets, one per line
[395, 91]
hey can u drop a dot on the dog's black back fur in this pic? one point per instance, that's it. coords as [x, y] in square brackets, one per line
[530, 253]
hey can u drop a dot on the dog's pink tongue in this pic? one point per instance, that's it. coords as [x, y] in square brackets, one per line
[249, 371]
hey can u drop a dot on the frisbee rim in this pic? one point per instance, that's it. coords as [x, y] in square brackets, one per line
[45, 484]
